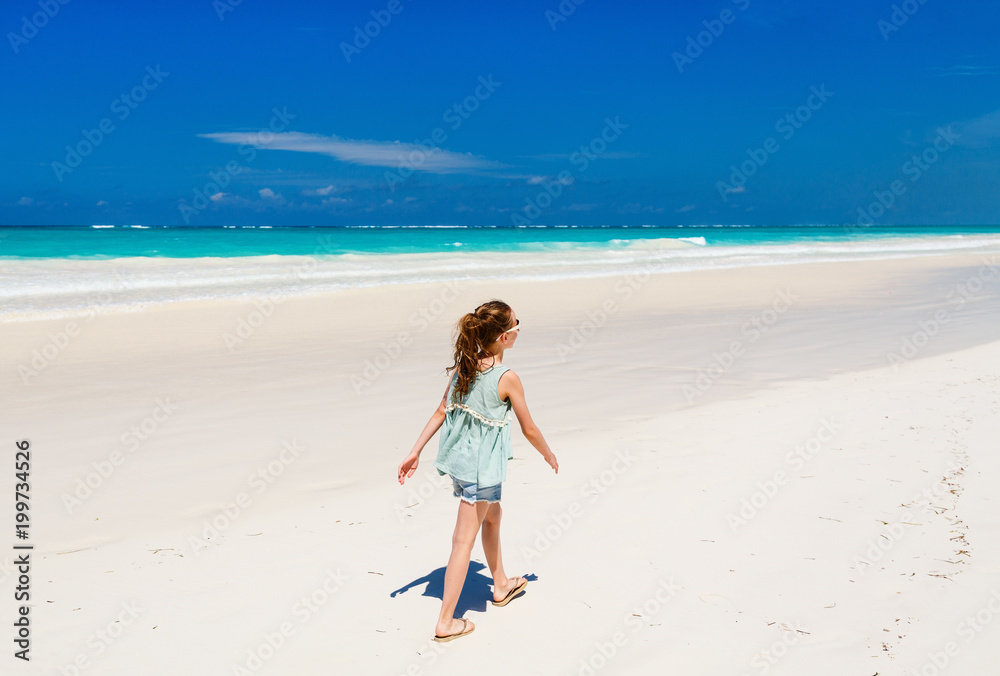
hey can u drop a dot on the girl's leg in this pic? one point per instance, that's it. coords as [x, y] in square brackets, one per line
[491, 546]
[469, 519]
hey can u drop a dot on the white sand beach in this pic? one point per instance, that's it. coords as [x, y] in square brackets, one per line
[774, 470]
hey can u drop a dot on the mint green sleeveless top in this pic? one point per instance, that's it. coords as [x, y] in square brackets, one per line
[475, 437]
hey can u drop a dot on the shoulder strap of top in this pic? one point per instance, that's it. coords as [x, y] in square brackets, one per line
[492, 374]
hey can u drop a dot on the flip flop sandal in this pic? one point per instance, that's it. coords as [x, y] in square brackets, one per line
[512, 593]
[451, 637]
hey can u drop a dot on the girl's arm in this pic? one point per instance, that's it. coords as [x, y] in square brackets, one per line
[410, 462]
[510, 387]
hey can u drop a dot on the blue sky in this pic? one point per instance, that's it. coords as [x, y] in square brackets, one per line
[207, 113]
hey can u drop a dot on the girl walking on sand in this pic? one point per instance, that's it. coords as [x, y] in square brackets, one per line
[474, 450]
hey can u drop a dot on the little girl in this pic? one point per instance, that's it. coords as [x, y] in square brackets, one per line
[474, 450]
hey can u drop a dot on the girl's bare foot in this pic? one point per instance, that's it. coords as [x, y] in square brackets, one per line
[501, 593]
[455, 626]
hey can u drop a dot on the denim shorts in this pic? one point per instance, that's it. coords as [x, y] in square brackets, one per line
[471, 492]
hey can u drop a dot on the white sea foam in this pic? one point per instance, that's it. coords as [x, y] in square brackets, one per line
[41, 288]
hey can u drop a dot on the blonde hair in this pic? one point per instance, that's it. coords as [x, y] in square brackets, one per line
[475, 330]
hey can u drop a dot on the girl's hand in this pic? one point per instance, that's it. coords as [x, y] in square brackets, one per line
[550, 458]
[408, 467]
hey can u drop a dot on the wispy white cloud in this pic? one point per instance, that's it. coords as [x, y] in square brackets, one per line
[981, 131]
[25, 202]
[686, 208]
[946, 71]
[636, 208]
[368, 153]
[318, 192]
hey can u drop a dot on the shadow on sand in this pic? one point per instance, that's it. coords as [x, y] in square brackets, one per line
[477, 592]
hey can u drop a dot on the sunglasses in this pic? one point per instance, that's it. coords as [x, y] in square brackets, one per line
[517, 327]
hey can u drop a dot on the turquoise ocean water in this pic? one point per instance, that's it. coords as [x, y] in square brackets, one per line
[71, 271]
[230, 241]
